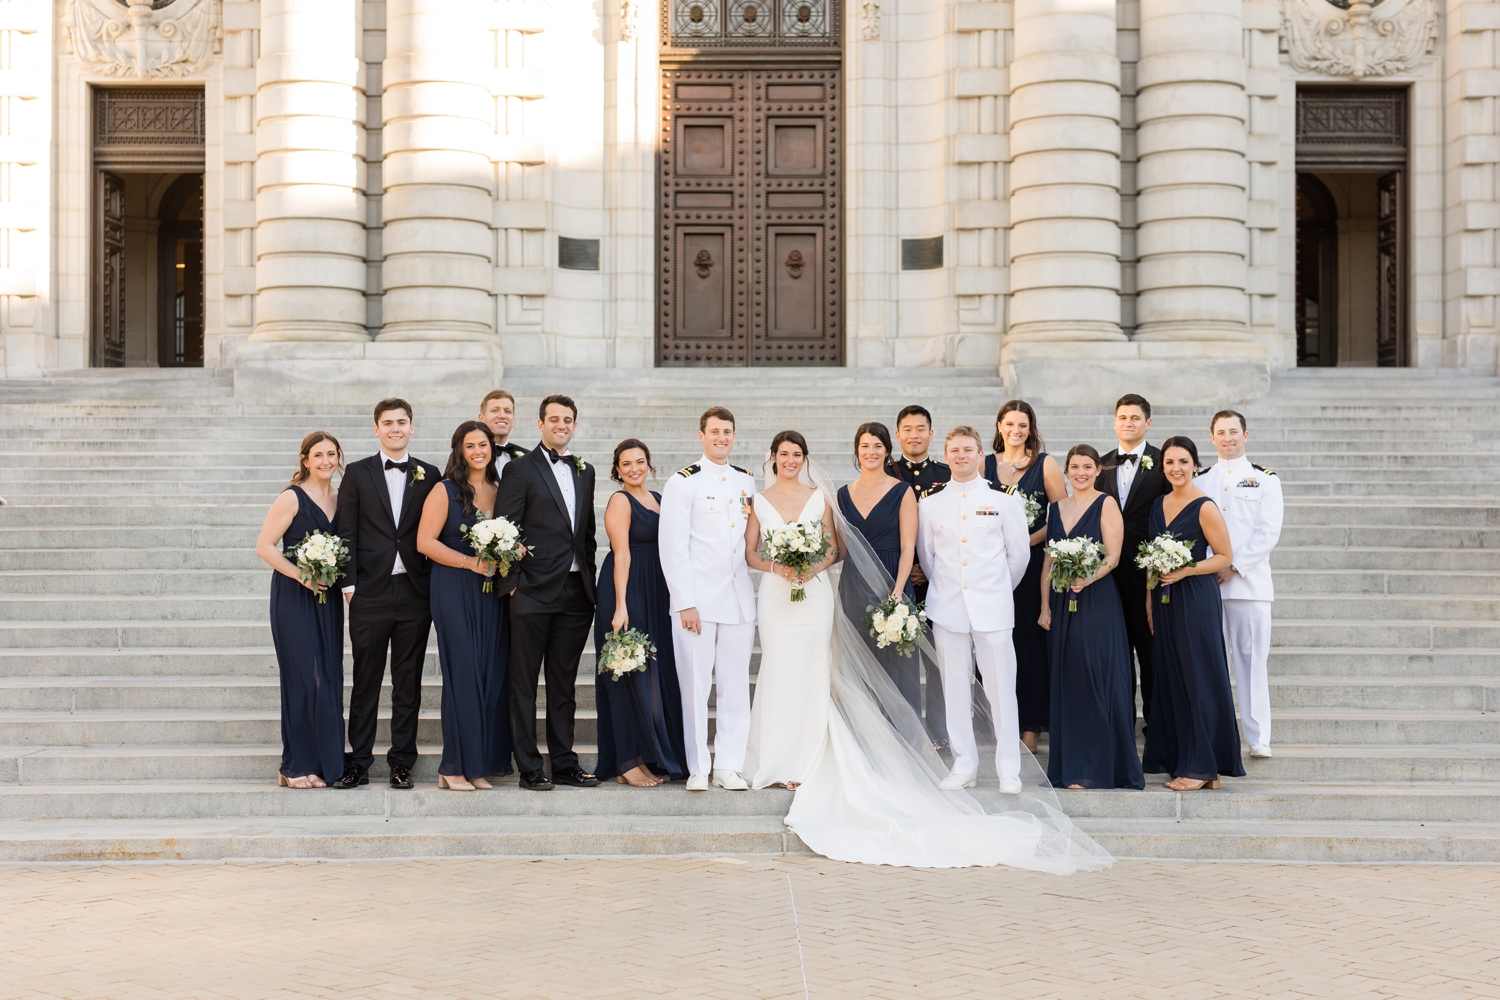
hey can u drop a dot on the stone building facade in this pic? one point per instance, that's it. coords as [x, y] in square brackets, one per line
[1180, 194]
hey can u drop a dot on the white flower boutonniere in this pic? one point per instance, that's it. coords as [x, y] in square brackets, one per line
[1146, 462]
[579, 463]
[418, 474]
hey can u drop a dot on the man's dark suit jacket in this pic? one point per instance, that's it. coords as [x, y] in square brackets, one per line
[374, 532]
[530, 498]
[1147, 486]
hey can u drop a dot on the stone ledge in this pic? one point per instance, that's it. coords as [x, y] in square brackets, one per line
[1169, 373]
[361, 372]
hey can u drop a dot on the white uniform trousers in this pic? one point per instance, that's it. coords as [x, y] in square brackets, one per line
[956, 652]
[1247, 633]
[725, 649]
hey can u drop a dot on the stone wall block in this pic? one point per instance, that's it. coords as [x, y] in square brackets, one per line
[1191, 67]
[304, 311]
[1065, 132]
[1064, 236]
[1068, 312]
[446, 201]
[1209, 134]
[1195, 269]
[299, 234]
[1194, 166]
[1065, 202]
[336, 103]
[438, 269]
[1062, 67]
[1225, 237]
[427, 168]
[315, 167]
[1083, 167]
[306, 133]
[1064, 97]
[1187, 201]
[452, 100]
[443, 312]
[436, 235]
[294, 268]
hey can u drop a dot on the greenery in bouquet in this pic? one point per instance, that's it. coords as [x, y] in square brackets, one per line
[1073, 559]
[1166, 553]
[896, 623]
[321, 558]
[496, 541]
[624, 652]
[799, 547]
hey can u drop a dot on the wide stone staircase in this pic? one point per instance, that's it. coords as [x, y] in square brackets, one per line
[138, 690]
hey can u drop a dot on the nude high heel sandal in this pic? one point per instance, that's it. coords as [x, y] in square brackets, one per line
[457, 784]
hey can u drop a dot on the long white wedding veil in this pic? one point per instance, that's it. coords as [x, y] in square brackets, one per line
[889, 808]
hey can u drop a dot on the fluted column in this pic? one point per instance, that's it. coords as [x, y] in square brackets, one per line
[310, 270]
[1065, 172]
[438, 205]
[1192, 177]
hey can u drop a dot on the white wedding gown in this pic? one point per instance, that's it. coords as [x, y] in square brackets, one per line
[790, 714]
[827, 714]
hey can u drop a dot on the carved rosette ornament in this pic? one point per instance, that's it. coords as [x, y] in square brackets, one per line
[1357, 38]
[146, 39]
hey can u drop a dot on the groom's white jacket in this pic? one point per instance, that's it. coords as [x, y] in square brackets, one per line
[702, 541]
[973, 545]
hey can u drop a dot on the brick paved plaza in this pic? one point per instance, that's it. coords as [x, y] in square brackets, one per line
[724, 927]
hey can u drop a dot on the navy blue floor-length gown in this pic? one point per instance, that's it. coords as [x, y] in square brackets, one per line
[1092, 737]
[640, 715]
[882, 529]
[468, 633]
[309, 641]
[1033, 666]
[1193, 732]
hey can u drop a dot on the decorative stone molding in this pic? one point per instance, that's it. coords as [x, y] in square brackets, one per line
[139, 38]
[1357, 38]
[630, 16]
[870, 20]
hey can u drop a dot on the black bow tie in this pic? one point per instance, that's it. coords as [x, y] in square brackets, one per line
[555, 457]
[403, 466]
[1130, 456]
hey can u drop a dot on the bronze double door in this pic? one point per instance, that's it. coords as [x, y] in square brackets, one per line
[750, 231]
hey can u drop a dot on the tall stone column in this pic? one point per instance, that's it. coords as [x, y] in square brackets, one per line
[309, 174]
[1191, 209]
[1065, 173]
[439, 181]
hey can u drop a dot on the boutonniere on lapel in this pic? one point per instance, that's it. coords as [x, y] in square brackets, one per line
[579, 463]
[1146, 462]
[418, 474]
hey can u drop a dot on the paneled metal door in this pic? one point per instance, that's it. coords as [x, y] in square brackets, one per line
[1390, 310]
[109, 272]
[750, 217]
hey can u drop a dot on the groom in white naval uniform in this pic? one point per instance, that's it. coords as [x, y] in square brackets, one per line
[973, 545]
[702, 542]
[1250, 498]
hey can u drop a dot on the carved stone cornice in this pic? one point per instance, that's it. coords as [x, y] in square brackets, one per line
[144, 39]
[1357, 38]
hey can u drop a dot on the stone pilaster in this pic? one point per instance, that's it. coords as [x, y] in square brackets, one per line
[1192, 243]
[25, 163]
[1065, 172]
[309, 174]
[439, 188]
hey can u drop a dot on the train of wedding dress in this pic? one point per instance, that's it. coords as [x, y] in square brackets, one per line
[871, 792]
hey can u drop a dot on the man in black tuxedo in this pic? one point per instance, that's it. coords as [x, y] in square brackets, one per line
[549, 494]
[385, 583]
[497, 411]
[1132, 475]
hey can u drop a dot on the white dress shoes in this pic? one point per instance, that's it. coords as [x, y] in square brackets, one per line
[730, 780]
[954, 782]
[1260, 750]
[1010, 786]
[697, 783]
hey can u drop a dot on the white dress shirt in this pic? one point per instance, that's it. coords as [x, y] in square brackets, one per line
[1125, 471]
[502, 458]
[563, 473]
[395, 484]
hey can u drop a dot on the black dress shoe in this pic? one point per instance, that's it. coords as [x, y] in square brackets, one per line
[575, 776]
[400, 777]
[536, 781]
[353, 775]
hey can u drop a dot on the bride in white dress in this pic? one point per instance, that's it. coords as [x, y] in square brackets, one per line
[828, 719]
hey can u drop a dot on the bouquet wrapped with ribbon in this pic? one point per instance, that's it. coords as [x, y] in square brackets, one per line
[496, 541]
[1166, 553]
[1073, 559]
[321, 558]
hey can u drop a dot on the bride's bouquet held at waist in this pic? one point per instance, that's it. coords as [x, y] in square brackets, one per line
[1166, 553]
[799, 547]
[624, 652]
[321, 559]
[1073, 559]
[896, 623]
[496, 541]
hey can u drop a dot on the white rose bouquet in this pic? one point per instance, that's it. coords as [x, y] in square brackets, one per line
[625, 652]
[496, 540]
[1073, 559]
[896, 623]
[1033, 504]
[799, 547]
[1161, 555]
[321, 559]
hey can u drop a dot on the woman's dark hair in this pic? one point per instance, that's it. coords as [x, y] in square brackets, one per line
[303, 473]
[1187, 445]
[458, 469]
[1086, 450]
[777, 441]
[622, 448]
[876, 430]
[1033, 438]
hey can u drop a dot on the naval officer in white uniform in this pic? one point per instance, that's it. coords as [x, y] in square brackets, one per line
[702, 542]
[973, 545]
[1250, 498]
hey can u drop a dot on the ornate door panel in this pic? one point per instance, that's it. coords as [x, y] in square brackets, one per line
[109, 272]
[750, 230]
[1390, 309]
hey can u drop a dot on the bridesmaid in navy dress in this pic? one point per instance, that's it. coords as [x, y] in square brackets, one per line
[309, 637]
[883, 509]
[640, 715]
[1092, 738]
[1193, 733]
[1020, 461]
[467, 618]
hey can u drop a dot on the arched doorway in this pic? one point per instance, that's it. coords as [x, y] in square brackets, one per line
[1317, 273]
